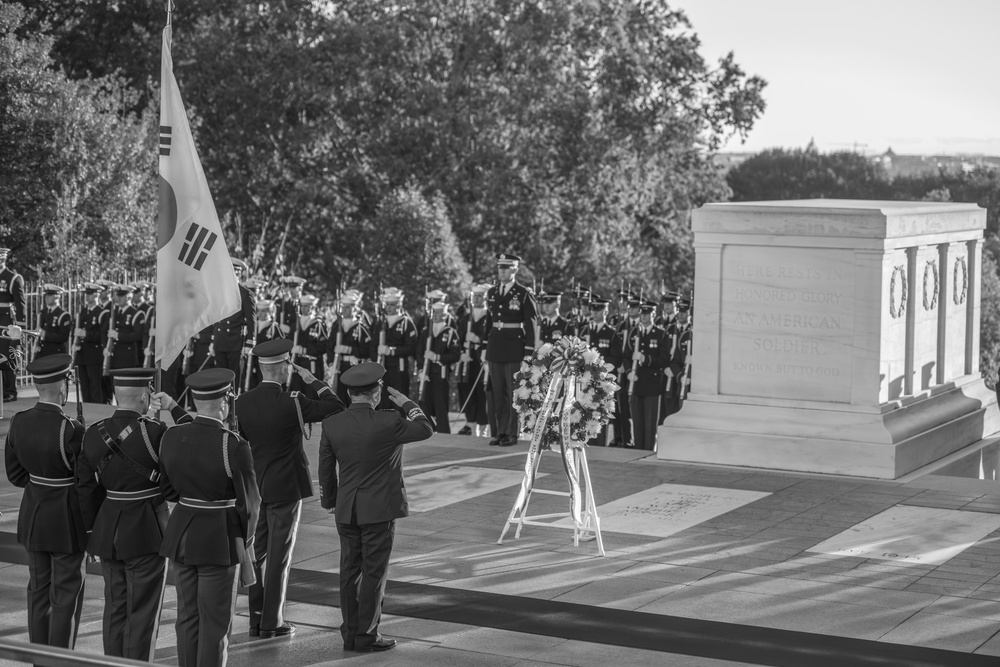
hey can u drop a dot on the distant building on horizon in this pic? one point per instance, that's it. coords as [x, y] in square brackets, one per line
[894, 164]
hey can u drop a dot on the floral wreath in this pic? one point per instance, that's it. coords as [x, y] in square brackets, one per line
[593, 397]
[895, 312]
[959, 296]
[930, 269]
[565, 395]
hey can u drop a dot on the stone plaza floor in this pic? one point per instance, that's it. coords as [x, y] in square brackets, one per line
[709, 566]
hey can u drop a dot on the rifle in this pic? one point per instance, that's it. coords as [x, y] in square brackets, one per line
[427, 361]
[188, 353]
[635, 365]
[244, 363]
[686, 383]
[150, 344]
[380, 318]
[295, 344]
[79, 403]
[463, 366]
[77, 342]
[337, 356]
[673, 350]
[110, 347]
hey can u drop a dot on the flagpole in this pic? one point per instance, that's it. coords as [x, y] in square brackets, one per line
[158, 381]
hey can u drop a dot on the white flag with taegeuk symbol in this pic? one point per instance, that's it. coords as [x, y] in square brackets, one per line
[195, 282]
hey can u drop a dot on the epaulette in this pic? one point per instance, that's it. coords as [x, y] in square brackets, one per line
[295, 394]
[234, 434]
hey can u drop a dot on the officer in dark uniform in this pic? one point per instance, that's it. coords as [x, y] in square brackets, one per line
[350, 341]
[273, 420]
[368, 496]
[55, 324]
[208, 470]
[90, 349]
[125, 513]
[439, 347]
[511, 337]
[578, 318]
[395, 341]
[599, 335]
[267, 329]
[668, 321]
[235, 336]
[288, 306]
[618, 357]
[678, 373]
[12, 311]
[551, 325]
[125, 330]
[647, 351]
[41, 452]
[472, 379]
[312, 337]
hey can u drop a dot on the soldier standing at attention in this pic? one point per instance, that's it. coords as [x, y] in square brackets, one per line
[125, 331]
[233, 336]
[677, 372]
[313, 339]
[208, 470]
[125, 513]
[12, 311]
[400, 343]
[367, 495]
[472, 331]
[439, 347]
[551, 326]
[90, 356]
[350, 342]
[288, 306]
[647, 351]
[273, 420]
[55, 323]
[599, 335]
[267, 329]
[511, 337]
[41, 452]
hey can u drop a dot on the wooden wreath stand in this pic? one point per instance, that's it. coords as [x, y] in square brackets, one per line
[590, 524]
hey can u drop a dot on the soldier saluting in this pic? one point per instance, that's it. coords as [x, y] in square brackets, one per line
[511, 337]
[41, 452]
[117, 477]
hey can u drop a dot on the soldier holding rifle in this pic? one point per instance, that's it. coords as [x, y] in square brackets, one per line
[309, 345]
[351, 340]
[89, 350]
[397, 343]
[648, 348]
[441, 348]
[471, 387]
[234, 336]
[13, 310]
[55, 324]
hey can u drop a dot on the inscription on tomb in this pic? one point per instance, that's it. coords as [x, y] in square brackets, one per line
[786, 323]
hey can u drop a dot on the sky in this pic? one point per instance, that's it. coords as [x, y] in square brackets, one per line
[919, 76]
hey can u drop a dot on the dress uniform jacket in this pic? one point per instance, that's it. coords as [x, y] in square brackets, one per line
[511, 324]
[551, 330]
[445, 344]
[655, 346]
[55, 325]
[272, 420]
[123, 529]
[91, 351]
[367, 446]
[601, 338]
[237, 331]
[475, 406]
[12, 300]
[195, 463]
[313, 338]
[401, 338]
[358, 338]
[128, 322]
[43, 444]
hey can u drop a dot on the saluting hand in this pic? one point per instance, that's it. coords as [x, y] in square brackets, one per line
[397, 397]
[304, 374]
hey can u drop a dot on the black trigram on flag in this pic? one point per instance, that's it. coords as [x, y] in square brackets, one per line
[165, 140]
[197, 245]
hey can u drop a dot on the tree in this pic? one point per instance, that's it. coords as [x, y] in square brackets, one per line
[782, 173]
[77, 193]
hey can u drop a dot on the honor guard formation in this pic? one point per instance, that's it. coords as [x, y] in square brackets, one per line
[243, 398]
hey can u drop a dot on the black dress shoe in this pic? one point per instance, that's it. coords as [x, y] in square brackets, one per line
[284, 630]
[9, 398]
[508, 441]
[494, 441]
[465, 430]
[254, 631]
[380, 644]
[348, 647]
[615, 443]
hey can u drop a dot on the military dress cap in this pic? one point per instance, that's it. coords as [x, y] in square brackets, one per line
[364, 376]
[647, 306]
[348, 299]
[51, 368]
[308, 300]
[293, 281]
[264, 304]
[549, 297]
[210, 383]
[436, 295]
[669, 296]
[481, 288]
[123, 289]
[508, 259]
[4, 251]
[392, 294]
[105, 283]
[581, 293]
[683, 305]
[599, 304]
[273, 351]
[91, 288]
[239, 263]
[49, 288]
[133, 377]
[634, 301]
[439, 305]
